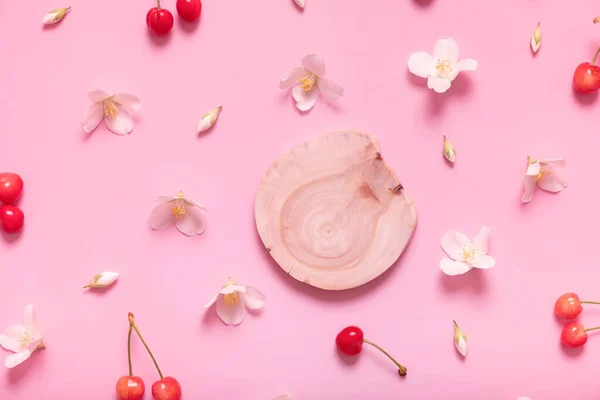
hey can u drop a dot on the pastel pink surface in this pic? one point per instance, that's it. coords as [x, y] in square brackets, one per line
[87, 198]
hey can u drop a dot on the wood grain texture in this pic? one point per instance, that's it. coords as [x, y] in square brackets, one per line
[332, 213]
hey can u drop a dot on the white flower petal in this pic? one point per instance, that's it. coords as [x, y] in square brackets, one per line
[450, 267]
[98, 96]
[209, 119]
[439, 85]
[480, 241]
[293, 78]
[421, 64]
[300, 3]
[530, 185]
[55, 15]
[468, 64]
[461, 346]
[121, 123]
[213, 300]
[92, 117]
[305, 99]
[253, 298]
[314, 64]
[31, 322]
[17, 358]
[454, 243]
[446, 49]
[330, 90]
[231, 313]
[535, 46]
[484, 262]
[129, 101]
[102, 280]
[10, 343]
[533, 168]
[460, 340]
[558, 162]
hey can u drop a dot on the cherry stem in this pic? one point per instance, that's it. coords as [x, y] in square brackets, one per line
[590, 302]
[129, 349]
[158, 6]
[134, 326]
[592, 329]
[595, 56]
[401, 368]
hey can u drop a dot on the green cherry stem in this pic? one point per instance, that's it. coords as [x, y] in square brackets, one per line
[590, 302]
[595, 55]
[129, 349]
[401, 368]
[134, 326]
[592, 329]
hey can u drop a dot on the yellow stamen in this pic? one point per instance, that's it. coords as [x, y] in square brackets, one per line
[231, 299]
[308, 81]
[541, 174]
[444, 68]
[25, 339]
[110, 109]
[178, 210]
[468, 253]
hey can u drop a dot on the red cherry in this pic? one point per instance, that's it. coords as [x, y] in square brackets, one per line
[159, 20]
[11, 218]
[574, 335]
[130, 388]
[11, 187]
[189, 10]
[568, 306]
[587, 77]
[350, 340]
[166, 389]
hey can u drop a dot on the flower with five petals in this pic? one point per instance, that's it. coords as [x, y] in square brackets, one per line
[22, 340]
[233, 299]
[308, 81]
[115, 109]
[441, 68]
[464, 254]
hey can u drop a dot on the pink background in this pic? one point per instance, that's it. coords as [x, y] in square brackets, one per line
[87, 198]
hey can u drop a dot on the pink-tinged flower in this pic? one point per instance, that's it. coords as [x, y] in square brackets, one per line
[549, 175]
[115, 109]
[464, 254]
[232, 301]
[308, 81]
[22, 340]
[181, 211]
[441, 69]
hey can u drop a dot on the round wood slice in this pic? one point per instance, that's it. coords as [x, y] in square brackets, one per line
[332, 213]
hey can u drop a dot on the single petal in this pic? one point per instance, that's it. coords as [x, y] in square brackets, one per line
[31, 322]
[461, 346]
[212, 301]
[450, 267]
[446, 49]
[484, 262]
[129, 101]
[102, 280]
[454, 243]
[10, 343]
[92, 117]
[164, 199]
[558, 162]
[314, 64]
[121, 123]
[330, 90]
[551, 182]
[191, 223]
[232, 288]
[98, 96]
[421, 64]
[439, 85]
[293, 78]
[480, 241]
[17, 358]
[468, 64]
[253, 298]
[533, 168]
[305, 99]
[300, 3]
[530, 185]
[232, 313]
[194, 204]
[162, 216]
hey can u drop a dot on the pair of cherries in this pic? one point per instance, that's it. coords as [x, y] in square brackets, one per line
[131, 387]
[160, 20]
[568, 306]
[11, 216]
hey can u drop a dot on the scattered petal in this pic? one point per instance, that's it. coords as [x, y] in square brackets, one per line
[55, 15]
[460, 340]
[209, 119]
[536, 39]
[449, 151]
[233, 299]
[300, 3]
[102, 280]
